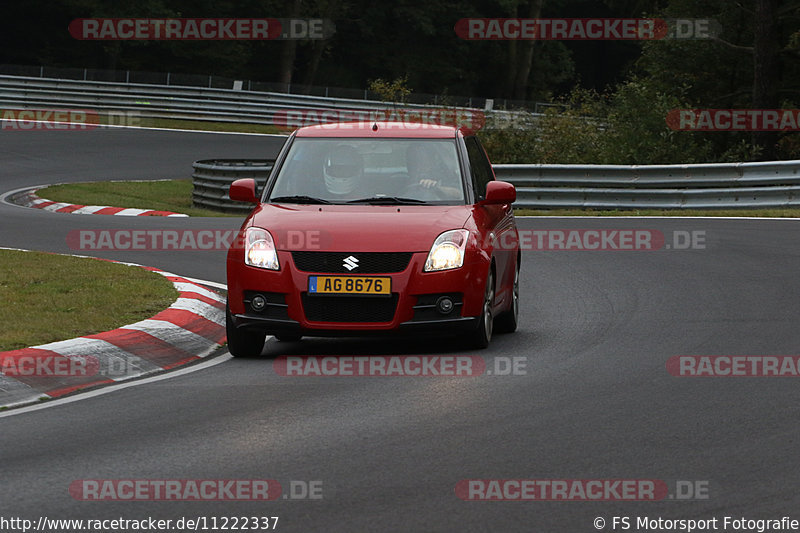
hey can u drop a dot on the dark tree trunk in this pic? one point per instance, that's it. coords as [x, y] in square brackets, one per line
[318, 48]
[289, 50]
[765, 69]
[511, 72]
[524, 56]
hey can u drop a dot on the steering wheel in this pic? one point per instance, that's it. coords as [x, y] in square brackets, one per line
[416, 190]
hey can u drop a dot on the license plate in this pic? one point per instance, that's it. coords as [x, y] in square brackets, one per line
[349, 285]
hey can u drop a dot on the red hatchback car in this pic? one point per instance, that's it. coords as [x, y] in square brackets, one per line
[374, 228]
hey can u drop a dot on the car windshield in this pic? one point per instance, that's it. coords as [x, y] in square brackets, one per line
[370, 171]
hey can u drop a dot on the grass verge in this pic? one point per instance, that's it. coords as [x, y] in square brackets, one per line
[766, 213]
[47, 298]
[170, 123]
[168, 195]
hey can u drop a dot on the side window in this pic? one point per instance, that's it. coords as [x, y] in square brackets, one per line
[479, 166]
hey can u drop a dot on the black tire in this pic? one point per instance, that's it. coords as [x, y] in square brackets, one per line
[507, 321]
[289, 337]
[482, 335]
[242, 343]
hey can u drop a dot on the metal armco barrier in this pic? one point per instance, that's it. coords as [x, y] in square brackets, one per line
[208, 104]
[212, 178]
[702, 186]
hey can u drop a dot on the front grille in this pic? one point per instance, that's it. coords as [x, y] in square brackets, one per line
[368, 262]
[349, 308]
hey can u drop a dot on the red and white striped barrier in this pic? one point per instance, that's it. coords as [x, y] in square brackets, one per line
[191, 328]
[30, 199]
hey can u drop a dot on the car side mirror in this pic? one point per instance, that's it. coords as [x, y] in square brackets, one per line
[243, 190]
[499, 192]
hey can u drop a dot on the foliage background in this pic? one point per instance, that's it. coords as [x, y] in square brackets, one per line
[616, 93]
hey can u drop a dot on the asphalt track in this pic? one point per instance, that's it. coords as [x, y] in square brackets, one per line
[596, 401]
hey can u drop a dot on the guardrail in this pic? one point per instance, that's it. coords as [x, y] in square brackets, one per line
[212, 178]
[202, 103]
[698, 186]
[222, 82]
[701, 186]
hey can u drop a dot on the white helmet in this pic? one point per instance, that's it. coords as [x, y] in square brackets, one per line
[342, 168]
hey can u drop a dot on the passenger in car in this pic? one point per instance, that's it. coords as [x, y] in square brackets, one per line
[427, 171]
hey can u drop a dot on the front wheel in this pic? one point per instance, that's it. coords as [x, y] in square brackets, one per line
[242, 343]
[483, 334]
[507, 321]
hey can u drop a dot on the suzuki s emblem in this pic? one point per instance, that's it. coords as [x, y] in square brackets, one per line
[350, 263]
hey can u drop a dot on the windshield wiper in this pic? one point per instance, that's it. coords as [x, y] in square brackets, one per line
[299, 199]
[387, 200]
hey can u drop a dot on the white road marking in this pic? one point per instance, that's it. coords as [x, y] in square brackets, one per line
[107, 390]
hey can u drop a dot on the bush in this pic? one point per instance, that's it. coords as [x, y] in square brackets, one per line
[627, 127]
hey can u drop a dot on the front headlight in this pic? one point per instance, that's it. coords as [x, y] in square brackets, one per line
[447, 251]
[259, 249]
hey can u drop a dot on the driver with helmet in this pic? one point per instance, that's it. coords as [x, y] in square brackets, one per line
[343, 169]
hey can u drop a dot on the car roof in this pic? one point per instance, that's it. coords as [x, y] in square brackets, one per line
[379, 129]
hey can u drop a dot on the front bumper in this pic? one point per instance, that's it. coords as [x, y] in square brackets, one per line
[411, 309]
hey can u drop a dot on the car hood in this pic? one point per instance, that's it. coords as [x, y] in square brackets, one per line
[352, 228]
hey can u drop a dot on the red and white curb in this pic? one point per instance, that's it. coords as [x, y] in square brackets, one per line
[31, 199]
[191, 328]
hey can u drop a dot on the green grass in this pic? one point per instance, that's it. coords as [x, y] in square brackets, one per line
[47, 298]
[169, 123]
[168, 195]
[767, 213]
[185, 124]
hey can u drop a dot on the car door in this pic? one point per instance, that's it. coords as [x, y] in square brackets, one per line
[496, 222]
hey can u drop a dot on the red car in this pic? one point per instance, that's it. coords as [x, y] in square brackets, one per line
[374, 228]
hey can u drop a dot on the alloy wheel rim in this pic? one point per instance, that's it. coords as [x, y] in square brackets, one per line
[515, 297]
[487, 308]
